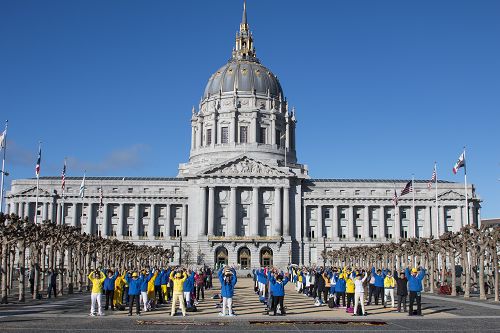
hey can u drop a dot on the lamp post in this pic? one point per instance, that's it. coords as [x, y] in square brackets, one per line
[180, 250]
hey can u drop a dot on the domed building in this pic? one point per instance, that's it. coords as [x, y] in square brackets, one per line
[243, 198]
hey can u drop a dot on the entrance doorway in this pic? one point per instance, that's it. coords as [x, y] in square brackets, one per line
[266, 257]
[220, 257]
[244, 257]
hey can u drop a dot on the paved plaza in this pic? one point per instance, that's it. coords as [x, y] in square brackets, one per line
[71, 314]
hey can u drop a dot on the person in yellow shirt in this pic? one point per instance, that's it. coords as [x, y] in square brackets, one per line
[389, 285]
[177, 277]
[97, 278]
[118, 296]
[349, 289]
[151, 291]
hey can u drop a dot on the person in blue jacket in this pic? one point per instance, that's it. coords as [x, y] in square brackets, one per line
[379, 284]
[165, 286]
[157, 283]
[415, 288]
[134, 290]
[227, 280]
[144, 287]
[277, 285]
[340, 288]
[188, 287]
[262, 280]
[109, 288]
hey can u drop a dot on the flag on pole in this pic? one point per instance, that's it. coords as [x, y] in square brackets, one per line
[2, 139]
[63, 177]
[395, 198]
[460, 163]
[408, 188]
[38, 161]
[433, 178]
[82, 187]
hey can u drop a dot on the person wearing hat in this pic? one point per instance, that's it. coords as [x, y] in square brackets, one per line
[97, 278]
[134, 290]
[340, 288]
[228, 279]
[350, 287]
[177, 277]
[415, 287]
[109, 289]
[277, 285]
[165, 286]
[118, 293]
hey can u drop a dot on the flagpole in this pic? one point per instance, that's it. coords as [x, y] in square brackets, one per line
[466, 195]
[37, 182]
[414, 211]
[437, 211]
[4, 148]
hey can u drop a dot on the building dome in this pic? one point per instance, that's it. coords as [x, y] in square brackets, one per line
[244, 76]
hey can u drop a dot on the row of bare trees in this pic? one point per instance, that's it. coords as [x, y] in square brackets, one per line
[40, 248]
[472, 252]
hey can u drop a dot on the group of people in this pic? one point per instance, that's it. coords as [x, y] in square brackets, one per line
[184, 287]
[148, 287]
[333, 285]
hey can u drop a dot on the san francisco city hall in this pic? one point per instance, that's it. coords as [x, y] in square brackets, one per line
[242, 197]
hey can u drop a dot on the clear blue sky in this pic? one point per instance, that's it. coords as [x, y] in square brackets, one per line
[382, 88]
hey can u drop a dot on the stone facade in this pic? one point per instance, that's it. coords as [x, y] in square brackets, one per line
[242, 197]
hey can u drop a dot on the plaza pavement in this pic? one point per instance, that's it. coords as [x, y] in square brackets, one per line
[70, 313]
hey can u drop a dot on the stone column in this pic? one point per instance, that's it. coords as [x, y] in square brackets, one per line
[45, 211]
[273, 129]
[352, 223]
[152, 222]
[305, 223]
[136, 225]
[22, 208]
[51, 213]
[203, 211]
[193, 137]
[381, 222]
[366, 223]
[335, 223]
[16, 208]
[60, 212]
[254, 225]
[277, 212]
[427, 225]
[231, 228]
[211, 210]
[121, 218]
[286, 211]
[253, 128]
[397, 223]
[319, 222]
[74, 223]
[412, 222]
[442, 225]
[184, 220]
[199, 138]
[168, 222]
[90, 218]
[214, 129]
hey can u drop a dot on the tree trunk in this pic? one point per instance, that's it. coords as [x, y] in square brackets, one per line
[453, 272]
[432, 272]
[71, 272]
[482, 293]
[61, 270]
[36, 282]
[494, 255]
[466, 270]
[22, 271]
[5, 249]
[443, 268]
[43, 269]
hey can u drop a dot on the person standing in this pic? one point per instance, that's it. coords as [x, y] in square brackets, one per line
[389, 285]
[158, 289]
[402, 291]
[165, 288]
[371, 289]
[52, 283]
[144, 287]
[359, 294]
[415, 288]
[109, 289]
[379, 284]
[350, 288]
[227, 280]
[199, 279]
[188, 288]
[340, 288]
[277, 284]
[97, 278]
[118, 293]
[134, 290]
[177, 277]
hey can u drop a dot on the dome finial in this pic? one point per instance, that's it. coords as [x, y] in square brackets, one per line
[244, 18]
[244, 48]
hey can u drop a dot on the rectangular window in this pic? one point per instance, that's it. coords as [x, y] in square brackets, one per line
[262, 137]
[130, 190]
[115, 189]
[244, 211]
[243, 134]
[403, 214]
[267, 211]
[327, 213]
[224, 135]
[146, 190]
[209, 137]
[342, 192]
[357, 192]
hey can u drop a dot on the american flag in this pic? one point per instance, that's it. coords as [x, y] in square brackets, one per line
[63, 177]
[408, 188]
[433, 178]
[395, 198]
[38, 161]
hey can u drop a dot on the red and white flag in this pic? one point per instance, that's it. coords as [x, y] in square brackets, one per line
[38, 162]
[63, 177]
[460, 163]
[433, 178]
[408, 188]
[395, 198]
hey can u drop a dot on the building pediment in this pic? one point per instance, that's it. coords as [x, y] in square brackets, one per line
[451, 195]
[31, 191]
[243, 166]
